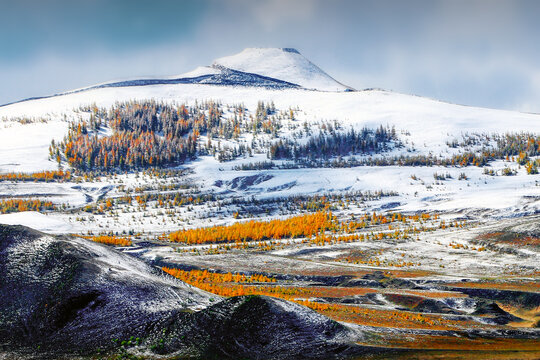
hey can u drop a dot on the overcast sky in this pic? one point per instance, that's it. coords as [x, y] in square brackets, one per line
[484, 53]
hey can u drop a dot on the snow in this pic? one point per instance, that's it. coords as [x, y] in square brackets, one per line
[283, 64]
[38, 221]
[125, 267]
[505, 194]
[200, 71]
[24, 147]
[431, 123]
[58, 193]
[422, 124]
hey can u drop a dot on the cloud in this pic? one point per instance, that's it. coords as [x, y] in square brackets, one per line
[274, 13]
[530, 101]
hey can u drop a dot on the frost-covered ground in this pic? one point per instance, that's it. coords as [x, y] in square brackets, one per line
[451, 254]
[423, 126]
[479, 195]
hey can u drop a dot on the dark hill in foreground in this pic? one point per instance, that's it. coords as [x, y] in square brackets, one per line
[64, 296]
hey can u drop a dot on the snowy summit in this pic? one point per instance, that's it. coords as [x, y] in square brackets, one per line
[271, 68]
[283, 64]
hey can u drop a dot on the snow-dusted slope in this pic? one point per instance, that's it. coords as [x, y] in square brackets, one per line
[200, 71]
[425, 126]
[429, 122]
[284, 64]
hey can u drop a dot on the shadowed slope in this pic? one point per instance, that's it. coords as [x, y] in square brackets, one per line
[64, 295]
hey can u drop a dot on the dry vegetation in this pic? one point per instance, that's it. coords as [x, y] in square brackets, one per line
[322, 228]
[298, 226]
[238, 284]
[18, 205]
[41, 176]
[109, 240]
[465, 343]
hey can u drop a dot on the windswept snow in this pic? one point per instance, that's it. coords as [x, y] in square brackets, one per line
[25, 147]
[430, 122]
[35, 220]
[200, 71]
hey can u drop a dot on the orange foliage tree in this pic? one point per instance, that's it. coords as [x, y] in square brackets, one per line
[110, 240]
[18, 205]
[41, 176]
[294, 227]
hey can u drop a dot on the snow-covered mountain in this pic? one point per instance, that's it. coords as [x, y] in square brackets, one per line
[282, 76]
[271, 68]
[286, 79]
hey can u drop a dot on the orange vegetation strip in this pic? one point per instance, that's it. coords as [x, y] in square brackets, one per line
[312, 226]
[223, 285]
[435, 294]
[326, 271]
[334, 292]
[45, 176]
[228, 285]
[517, 286]
[510, 238]
[524, 241]
[434, 342]
[18, 205]
[109, 240]
[386, 318]
[204, 276]
[488, 236]
[408, 273]
[297, 226]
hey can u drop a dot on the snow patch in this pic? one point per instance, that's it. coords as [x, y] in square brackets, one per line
[38, 221]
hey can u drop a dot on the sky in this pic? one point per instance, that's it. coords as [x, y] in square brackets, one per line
[472, 52]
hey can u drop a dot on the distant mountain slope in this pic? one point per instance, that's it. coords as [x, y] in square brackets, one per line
[425, 124]
[271, 68]
[218, 76]
[215, 75]
[284, 64]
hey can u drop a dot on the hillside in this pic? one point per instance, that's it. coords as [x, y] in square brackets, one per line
[283, 196]
[67, 296]
[428, 136]
[425, 127]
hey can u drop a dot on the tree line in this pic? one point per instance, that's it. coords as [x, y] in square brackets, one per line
[325, 146]
[144, 134]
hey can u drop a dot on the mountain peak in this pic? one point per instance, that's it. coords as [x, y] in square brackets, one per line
[286, 64]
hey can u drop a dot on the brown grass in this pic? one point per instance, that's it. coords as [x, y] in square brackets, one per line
[530, 286]
[414, 341]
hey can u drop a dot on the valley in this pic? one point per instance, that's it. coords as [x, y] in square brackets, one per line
[386, 225]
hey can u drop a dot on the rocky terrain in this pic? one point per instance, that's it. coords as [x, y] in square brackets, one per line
[62, 296]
